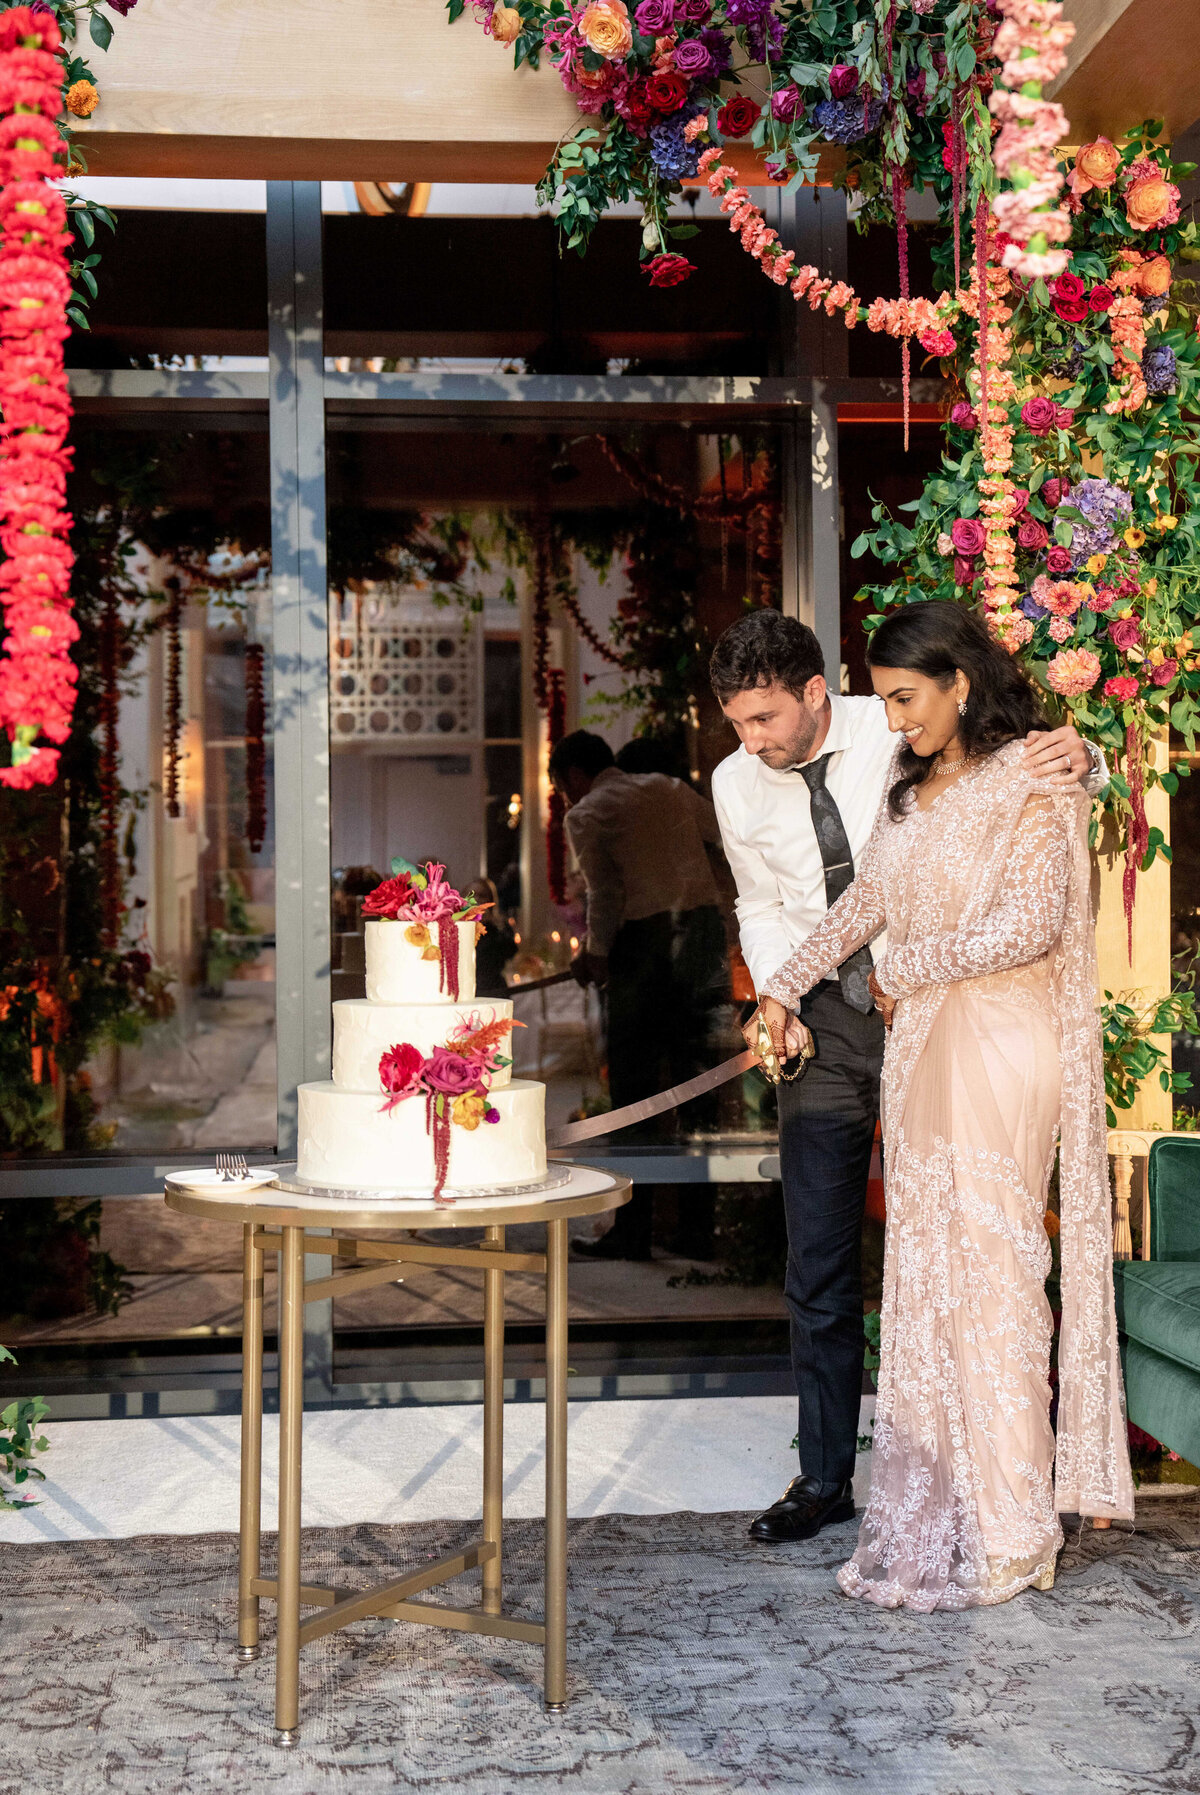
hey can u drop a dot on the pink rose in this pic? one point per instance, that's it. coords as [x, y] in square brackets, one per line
[1164, 673]
[1125, 633]
[968, 535]
[1064, 417]
[787, 104]
[450, 1073]
[1020, 499]
[964, 415]
[843, 79]
[1054, 491]
[1123, 686]
[965, 572]
[1058, 560]
[1040, 416]
[1032, 535]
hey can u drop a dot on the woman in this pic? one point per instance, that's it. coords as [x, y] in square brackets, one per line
[981, 877]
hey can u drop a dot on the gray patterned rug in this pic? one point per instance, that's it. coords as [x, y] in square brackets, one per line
[701, 1665]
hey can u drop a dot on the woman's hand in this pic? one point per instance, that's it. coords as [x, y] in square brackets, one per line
[788, 1034]
[885, 1003]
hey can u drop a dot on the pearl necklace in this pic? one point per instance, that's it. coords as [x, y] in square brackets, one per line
[949, 766]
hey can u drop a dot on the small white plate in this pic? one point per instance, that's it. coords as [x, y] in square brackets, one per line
[206, 1178]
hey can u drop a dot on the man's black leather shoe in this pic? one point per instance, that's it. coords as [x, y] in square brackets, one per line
[802, 1511]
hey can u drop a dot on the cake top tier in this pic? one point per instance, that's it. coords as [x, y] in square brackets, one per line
[420, 938]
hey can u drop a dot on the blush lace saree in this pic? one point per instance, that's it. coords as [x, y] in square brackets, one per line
[993, 1058]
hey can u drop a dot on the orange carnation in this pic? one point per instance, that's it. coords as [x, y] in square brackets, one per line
[82, 98]
[1150, 203]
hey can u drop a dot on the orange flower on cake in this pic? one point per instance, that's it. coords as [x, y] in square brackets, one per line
[469, 1110]
[605, 28]
[1073, 672]
[505, 24]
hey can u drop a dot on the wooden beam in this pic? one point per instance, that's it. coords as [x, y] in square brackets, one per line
[1131, 60]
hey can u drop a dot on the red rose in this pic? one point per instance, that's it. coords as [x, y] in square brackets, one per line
[668, 270]
[1101, 298]
[1068, 286]
[1058, 560]
[738, 116]
[965, 573]
[843, 79]
[1032, 535]
[1125, 633]
[1020, 498]
[1064, 417]
[388, 898]
[968, 535]
[1164, 673]
[1071, 311]
[1039, 416]
[1054, 491]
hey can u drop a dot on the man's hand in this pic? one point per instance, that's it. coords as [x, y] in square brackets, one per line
[885, 1003]
[1058, 755]
[590, 969]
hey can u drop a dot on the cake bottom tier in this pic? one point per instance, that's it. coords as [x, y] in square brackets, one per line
[346, 1141]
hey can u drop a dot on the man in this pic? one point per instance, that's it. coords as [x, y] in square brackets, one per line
[796, 804]
[655, 940]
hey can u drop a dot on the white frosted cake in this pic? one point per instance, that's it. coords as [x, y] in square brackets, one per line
[422, 1097]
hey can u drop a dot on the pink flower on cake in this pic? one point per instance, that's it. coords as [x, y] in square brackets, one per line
[450, 1073]
[1073, 672]
[400, 1070]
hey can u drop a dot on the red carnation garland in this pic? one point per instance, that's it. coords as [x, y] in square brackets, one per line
[256, 727]
[556, 846]
[37, 675]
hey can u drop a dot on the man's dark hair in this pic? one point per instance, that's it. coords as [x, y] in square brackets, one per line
[764, 648]
[590, 754]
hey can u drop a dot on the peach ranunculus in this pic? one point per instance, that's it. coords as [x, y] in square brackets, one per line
[1151, 203]
[1096, 165]
[505, 23]
[1153, 277]
[605, 28]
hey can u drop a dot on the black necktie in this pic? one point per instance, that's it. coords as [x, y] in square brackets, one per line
[838, 862]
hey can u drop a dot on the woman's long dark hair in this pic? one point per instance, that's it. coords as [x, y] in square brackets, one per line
[940, 639]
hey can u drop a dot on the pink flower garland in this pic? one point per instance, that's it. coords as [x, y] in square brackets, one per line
[1031, 45]
[37, 675]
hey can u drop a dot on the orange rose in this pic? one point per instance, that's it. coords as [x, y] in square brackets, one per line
[1096, 165]
[1149, 203]
[606, 29]
[1154, 277]
[506, 24]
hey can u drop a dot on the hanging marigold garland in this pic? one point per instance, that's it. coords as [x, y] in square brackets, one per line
[256, 753]
[37, 675]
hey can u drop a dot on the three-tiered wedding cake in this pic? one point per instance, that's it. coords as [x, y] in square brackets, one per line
[422, 1097]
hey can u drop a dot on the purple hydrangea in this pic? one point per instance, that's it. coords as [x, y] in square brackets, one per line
[1101, 503]
[671, 155]
[746, 12]
[1158, 369]
[764, 38]
[1032, 609]
[1088, 539]
[847, 121]
[717, 45]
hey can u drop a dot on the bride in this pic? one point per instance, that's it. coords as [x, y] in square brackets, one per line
[981, 877]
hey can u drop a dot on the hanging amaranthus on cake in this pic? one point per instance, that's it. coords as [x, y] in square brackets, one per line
[256, 750]
[37, 675]
[454, 1081]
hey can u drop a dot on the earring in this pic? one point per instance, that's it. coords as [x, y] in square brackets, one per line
[962, 707]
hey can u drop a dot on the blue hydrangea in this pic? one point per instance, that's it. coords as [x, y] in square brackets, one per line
[847, 121]
[1158, 368]
[1032, 609]
[673, 157]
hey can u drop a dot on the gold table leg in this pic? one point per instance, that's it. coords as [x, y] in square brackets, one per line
[291, 1419]
[556, 1466]
[493, 1424]
[250, 1508]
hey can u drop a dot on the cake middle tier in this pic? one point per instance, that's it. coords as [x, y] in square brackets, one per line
[347, 1141]
[364, 1031]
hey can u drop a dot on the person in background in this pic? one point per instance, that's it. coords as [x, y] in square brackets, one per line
[495, 947]
[655, 939]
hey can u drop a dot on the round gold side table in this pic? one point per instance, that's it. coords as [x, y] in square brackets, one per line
[274, 1220]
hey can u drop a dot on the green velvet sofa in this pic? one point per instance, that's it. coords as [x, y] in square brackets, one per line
[1158, 1301]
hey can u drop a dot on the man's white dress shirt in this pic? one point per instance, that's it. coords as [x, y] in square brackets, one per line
[639, 841]
[770, 843]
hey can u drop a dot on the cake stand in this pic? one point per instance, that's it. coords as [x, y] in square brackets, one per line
[273, 1219]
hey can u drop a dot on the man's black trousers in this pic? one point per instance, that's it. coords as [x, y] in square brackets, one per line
[826, 1130]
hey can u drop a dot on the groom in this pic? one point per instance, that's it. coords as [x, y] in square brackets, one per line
[796, 803]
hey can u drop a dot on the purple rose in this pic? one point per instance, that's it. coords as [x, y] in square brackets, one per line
[697, 12]
[1040, 416]
[1054, 491]
[450, 1073]
[843, 80]
[964, 415]
[653, 16]
[1032, 535]
[692, 59]
[787, 103]
[968, 535]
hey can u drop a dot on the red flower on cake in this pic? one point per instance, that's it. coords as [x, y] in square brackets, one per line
[389, 898]
[400, 1070]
